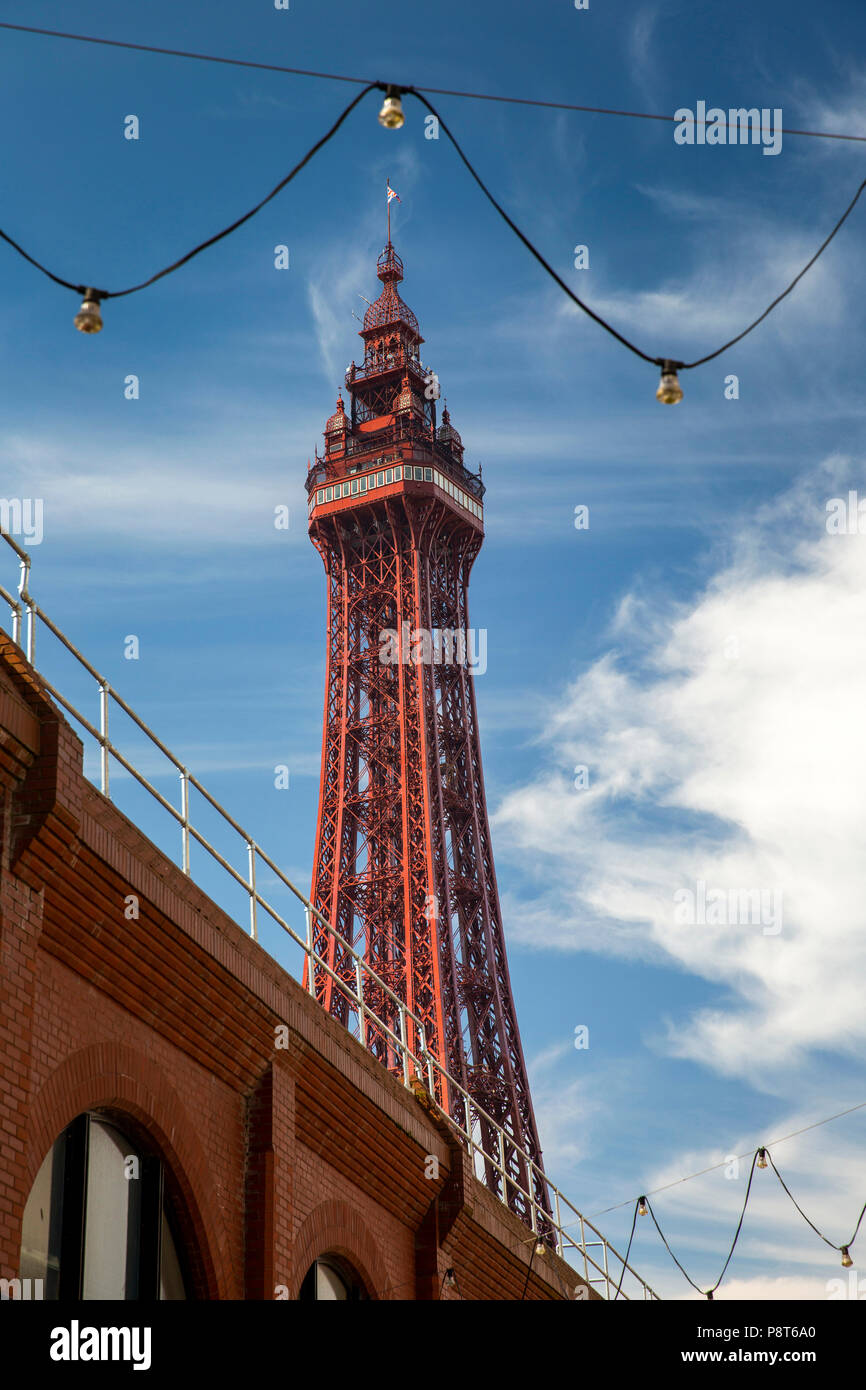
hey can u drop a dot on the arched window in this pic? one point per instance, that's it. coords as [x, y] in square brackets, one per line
[331, 1279]
[97, 1224]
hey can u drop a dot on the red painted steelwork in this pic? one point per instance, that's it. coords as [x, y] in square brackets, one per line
[403, 863]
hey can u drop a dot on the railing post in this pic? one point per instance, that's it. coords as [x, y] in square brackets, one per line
[362, 1012]
[184, 811]
[467, 1120]
[251, 852]
[560, 1248]
[311, 966]
[405, 1044]
[24, 595]
[426, 1060]
[103, 731]
[501, 1137]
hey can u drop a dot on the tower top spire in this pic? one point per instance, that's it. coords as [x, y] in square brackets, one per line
[390, 308]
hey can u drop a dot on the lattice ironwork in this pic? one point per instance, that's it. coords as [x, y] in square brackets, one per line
[403, 864]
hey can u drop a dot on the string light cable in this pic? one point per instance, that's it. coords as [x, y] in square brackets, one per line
[760, 1158]
[92, 295]
[816, 1124]
[843, 1249]
[637, 1207]
[89, 318]
[669, 388]
[361, 81]
[708, 1293]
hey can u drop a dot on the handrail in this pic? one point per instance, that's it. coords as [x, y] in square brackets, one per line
[400, 432]
[540, 1199]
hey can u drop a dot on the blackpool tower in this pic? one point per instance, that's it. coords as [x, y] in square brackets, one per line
[403, 868]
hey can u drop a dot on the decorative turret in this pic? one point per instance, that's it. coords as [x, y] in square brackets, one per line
[407, 399]
[337, 428]
[448, 436]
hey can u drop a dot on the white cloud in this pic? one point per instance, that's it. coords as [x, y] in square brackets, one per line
[188, 490]
[639, 45]
[728, 750]
[783, 1287]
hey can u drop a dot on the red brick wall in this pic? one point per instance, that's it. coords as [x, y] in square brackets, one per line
[274, 1156]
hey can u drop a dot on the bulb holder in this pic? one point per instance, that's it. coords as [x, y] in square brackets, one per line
[642, 1208]
[89, 319]
[762, 1158]
[847, 1262]
[669, 391]
[391, 115]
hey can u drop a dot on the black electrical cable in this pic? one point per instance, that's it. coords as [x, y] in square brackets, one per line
[528, 1270]
[657, 361]
[627, 1250]
[709, 357]
[185, 53]
[453, 1274]
[689, 1177]
[739, 1226]
[226, 231]
[712, 1290]
[359, 81]
[667, 364]
[669, 1250]
[805, 1217]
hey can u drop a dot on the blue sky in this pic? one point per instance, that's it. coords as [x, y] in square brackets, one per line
[699, 648]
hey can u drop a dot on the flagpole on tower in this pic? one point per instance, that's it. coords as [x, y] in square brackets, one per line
[388, 203]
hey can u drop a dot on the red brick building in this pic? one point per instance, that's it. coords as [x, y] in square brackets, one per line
[178, 1118]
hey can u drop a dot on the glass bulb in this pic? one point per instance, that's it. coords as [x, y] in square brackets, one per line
[669, 390]
[391, 116]
[847, 1262]
[642, 1208]
[762, 1158]
[540, 1247]
[89, 319]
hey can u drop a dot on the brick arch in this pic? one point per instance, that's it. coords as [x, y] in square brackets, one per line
[336, 1228]
[114, 1078]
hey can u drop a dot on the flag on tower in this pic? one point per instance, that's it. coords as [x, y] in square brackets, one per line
[392, 194]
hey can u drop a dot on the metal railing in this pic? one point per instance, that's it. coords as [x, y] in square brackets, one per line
[554, 1218]
[402, 431]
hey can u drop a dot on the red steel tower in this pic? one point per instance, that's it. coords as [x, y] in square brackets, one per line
[403, 864]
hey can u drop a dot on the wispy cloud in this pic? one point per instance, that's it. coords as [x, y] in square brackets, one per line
[640, 49]
[727, 753]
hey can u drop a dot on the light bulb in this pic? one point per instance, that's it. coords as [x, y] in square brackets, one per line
[89, 319]
[540, 1247]
[669, 390]
[449, 1277]
[847, 1262]
[391, 116]
[762, 1158]
[642, 1208]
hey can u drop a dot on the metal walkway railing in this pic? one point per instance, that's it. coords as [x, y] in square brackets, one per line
[576, 1239]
